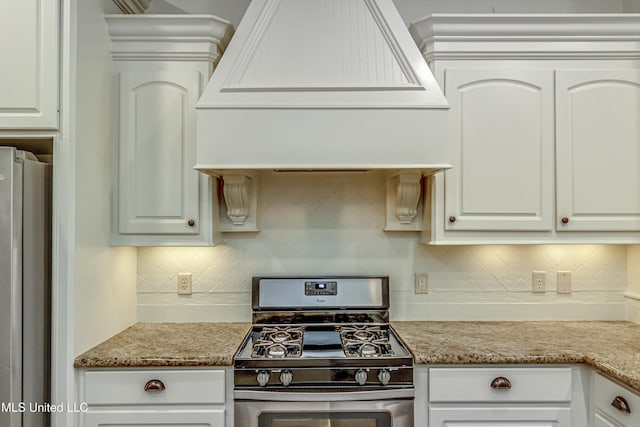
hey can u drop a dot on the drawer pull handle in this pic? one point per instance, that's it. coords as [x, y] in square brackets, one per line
[621, 404]
[154, 386]
[501, 383]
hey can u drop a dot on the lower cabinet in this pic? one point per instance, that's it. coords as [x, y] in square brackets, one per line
[154, 398]
[498, 396]
[492, 416]
[132, 418]
[613, 404]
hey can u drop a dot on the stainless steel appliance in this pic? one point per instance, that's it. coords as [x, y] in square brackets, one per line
[321, 353]
[25, 224]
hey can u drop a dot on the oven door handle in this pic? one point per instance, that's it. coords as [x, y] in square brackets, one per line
[327, 396]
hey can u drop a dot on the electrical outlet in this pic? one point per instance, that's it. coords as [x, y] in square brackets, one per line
[538, 281]
[184, 283]
[422, 283]
[564, 282]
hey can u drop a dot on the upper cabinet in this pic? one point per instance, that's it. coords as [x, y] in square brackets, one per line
[545, 141]
[29, 34]
[502, 146]
[598, 150]
[161, 64]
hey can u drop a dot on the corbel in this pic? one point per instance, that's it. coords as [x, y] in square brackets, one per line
[404, 201]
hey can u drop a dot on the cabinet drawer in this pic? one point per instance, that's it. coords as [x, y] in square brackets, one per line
[126, 387]
[605, 391]
[475, 385]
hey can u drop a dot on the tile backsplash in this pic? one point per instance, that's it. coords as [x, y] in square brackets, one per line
[331, 223]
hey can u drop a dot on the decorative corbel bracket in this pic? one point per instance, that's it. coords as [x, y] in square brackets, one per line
[404, 202]
[132, 7]
[238, 199]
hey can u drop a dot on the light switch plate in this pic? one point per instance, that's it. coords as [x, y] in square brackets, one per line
[564, 282]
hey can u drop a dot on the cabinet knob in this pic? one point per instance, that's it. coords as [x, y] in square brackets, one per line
[452, 219]
[500, 383]
[191, 223]
[565, 220]
[621, 404]
[153, 386]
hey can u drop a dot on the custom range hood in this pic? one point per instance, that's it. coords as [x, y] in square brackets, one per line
[321, 85]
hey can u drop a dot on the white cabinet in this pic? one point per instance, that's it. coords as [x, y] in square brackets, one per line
[29, 75]
[161, 65]
[159, 189]
[131, 418]
[490, 396]
[502, 149]
[613, 404]
[498, 416]
[544, 130]
[154, 397]
[598, 150]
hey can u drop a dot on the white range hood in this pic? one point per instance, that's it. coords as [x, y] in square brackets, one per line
[321, 85]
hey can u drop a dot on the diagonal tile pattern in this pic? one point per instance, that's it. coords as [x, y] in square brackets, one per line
[332, 223]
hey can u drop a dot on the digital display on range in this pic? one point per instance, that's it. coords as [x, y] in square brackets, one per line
[320, 288]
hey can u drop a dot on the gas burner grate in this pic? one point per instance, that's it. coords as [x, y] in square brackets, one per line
[278, 342]
[365, 341]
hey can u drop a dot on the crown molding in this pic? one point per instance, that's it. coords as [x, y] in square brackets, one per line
[168, 37]
[528, 36]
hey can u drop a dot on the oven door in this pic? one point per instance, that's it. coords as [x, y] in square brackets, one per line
[393, 408]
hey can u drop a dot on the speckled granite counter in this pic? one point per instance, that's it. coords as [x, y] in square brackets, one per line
[613, 347]
[167, 344]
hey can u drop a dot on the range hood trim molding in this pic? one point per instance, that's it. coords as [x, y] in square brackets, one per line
[221, 170]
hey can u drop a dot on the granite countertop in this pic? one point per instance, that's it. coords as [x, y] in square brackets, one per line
[167, 344]
[613, 347]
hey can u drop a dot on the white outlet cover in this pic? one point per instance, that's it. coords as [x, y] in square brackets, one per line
[184, 284]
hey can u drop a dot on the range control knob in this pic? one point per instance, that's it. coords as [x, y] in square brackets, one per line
[384, 376]
[361, 377]
[263, 378]
[286, 377]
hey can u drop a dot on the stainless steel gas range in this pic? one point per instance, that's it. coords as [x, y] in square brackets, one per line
[321, 353]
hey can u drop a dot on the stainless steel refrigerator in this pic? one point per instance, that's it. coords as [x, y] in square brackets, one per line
[25, 288]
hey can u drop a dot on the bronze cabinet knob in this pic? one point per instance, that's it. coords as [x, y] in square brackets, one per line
[191, 223]
[500, 383]
[452, 218]
[565, 220]
[154, 386]
[621, 404]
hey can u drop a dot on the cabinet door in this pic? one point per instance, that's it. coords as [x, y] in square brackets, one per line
[502, 151]
[158, 189]
[598, 150]
[600, 420]
[176, 418]
[499, 416]
[29, 72]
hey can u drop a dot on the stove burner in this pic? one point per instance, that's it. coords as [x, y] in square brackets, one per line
[276, 350]
[365, 341]
[364, 335]
[281, 336]
[277, 342]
